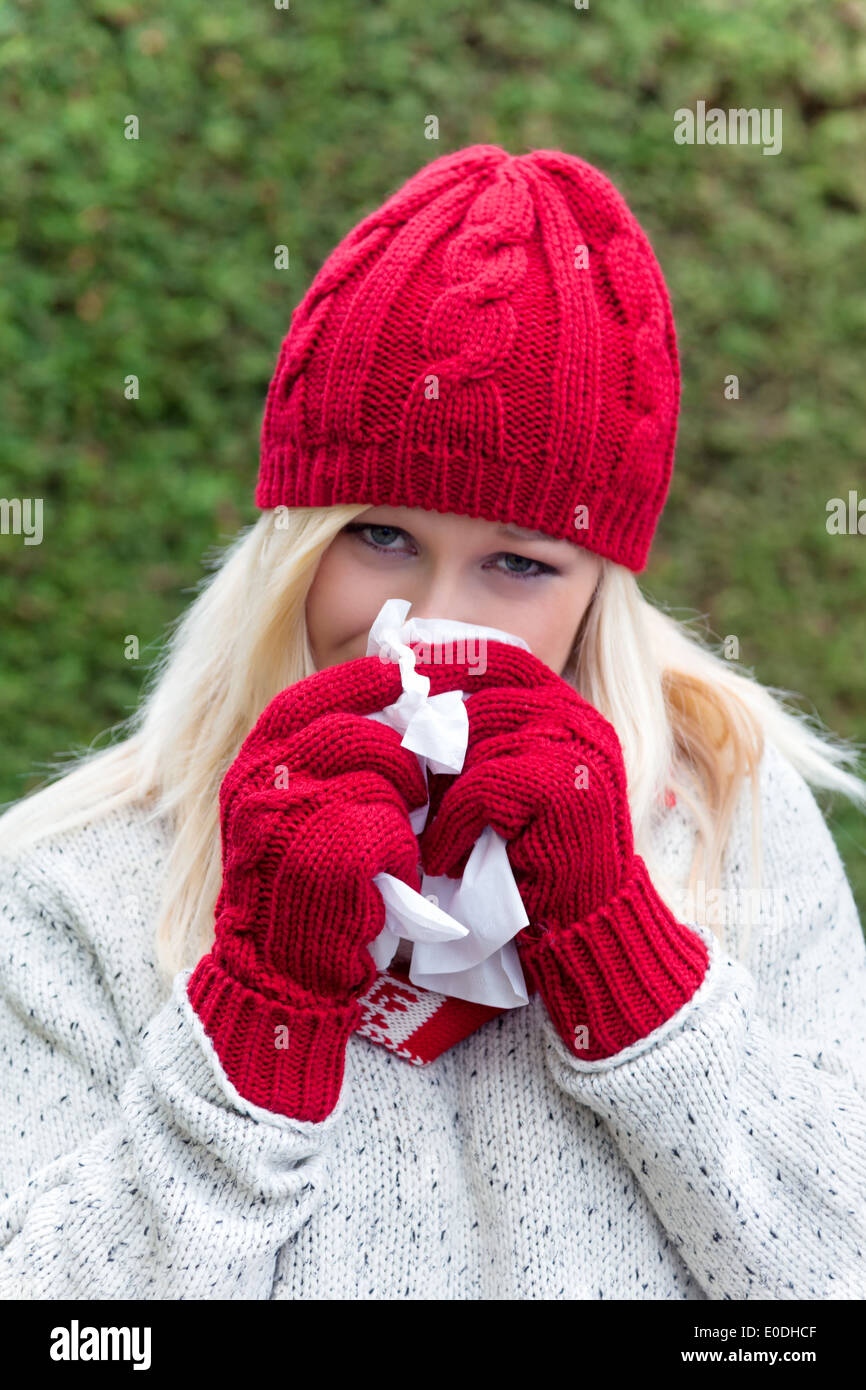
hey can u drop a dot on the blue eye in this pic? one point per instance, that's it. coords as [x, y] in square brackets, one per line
[358, 528]
[392, 529]
[525, 574]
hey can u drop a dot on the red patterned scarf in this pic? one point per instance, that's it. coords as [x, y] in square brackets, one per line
[414, 1023]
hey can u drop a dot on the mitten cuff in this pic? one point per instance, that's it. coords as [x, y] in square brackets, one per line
[617, 976]
[285, 1059]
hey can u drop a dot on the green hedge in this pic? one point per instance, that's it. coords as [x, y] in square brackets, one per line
[261, 126]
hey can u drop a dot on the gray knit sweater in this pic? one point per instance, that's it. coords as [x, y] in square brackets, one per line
[723, 1157]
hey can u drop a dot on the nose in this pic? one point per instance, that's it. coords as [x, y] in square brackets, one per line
[440, 598]
[443, 611]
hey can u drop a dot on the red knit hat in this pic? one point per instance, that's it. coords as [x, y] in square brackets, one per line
[496, 340]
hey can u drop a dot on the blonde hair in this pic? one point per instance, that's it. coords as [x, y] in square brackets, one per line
[687, 720]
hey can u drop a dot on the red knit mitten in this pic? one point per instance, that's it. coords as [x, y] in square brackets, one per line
[315, 804]
[544, 768]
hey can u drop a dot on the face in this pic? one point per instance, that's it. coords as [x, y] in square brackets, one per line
[448, 566]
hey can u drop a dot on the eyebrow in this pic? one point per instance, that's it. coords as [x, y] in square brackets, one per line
[515, 532]
[522, 534]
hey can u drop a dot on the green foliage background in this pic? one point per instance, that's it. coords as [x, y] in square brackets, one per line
[261, 126]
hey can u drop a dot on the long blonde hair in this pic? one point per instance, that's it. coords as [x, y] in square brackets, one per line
[688, 721]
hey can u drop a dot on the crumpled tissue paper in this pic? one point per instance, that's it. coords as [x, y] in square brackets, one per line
[461, 930]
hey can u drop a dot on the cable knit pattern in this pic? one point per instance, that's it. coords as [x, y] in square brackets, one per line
[723, 1157]
[467, 338]
[497, 341]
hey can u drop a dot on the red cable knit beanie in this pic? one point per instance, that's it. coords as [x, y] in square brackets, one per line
[496, 340]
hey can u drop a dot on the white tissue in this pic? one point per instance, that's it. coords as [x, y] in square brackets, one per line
[462, 930]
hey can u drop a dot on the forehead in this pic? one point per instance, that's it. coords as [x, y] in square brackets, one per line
[510, 528]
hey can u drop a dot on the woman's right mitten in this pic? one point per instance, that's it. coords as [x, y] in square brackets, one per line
[315, 804]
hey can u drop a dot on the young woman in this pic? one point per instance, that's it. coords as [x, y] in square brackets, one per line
[209, 1089]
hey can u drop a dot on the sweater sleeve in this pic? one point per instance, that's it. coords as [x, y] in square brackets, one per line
[743, 1117]
[131, 1168]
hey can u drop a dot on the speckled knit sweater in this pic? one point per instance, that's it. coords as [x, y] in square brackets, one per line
[722, 1157]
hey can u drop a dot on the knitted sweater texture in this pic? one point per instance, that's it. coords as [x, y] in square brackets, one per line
[722, 1157]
